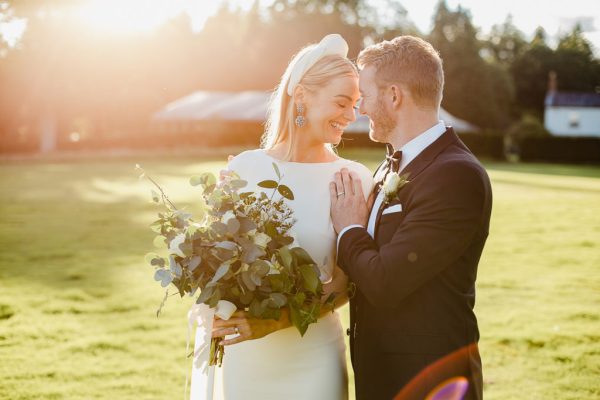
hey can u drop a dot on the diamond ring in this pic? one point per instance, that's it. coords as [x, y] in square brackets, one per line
[340, 194]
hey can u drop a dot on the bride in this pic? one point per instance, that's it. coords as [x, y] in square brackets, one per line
[313, 104]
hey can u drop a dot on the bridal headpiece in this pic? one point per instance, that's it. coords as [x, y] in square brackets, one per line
[333, 44]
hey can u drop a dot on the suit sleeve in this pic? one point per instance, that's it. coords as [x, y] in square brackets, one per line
[438, 227]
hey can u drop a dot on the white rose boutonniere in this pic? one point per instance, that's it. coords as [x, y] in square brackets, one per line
[392, 184]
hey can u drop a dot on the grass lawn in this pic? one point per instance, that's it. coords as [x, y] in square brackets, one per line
[77, 302]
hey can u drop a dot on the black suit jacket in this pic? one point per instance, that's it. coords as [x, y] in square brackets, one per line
[416, 279]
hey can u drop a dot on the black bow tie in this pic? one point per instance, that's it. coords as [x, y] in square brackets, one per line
[393, 158]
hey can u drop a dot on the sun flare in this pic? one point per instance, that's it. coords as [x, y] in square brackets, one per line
[129, 16]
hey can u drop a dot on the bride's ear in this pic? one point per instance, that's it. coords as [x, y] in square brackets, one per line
[299, 95]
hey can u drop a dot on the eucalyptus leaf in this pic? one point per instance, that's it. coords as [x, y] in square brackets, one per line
[248, 281]
[256, 279]
[214, 299]
[219, 228]
[268, 184]
[194, 262]
[246, 225]
[175, 267]
[285, 240]
[164, 276]
[302, 256]
[256, 308]
[233, 226]
[271, 229]
[260, 267]
[205, 294]
[250, 251]
[196, 180]
[285, 192]
[238, 183]
[149, 257]
[278, 299]
[247, 297]
[276, 168]
[227, 244]
[286, 256]
[175, 245]
[207, 179]
[158, 262]
[220, 272]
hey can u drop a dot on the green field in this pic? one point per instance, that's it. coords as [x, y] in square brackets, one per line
[77, 302]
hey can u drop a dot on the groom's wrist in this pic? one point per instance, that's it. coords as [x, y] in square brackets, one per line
[346, 229]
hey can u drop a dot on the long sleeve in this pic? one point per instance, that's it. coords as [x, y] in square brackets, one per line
[439, 225]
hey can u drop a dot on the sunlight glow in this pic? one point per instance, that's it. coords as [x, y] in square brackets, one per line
[130, 16]
[12, 30]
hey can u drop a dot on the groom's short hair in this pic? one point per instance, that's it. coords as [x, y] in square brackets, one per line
[408, 61]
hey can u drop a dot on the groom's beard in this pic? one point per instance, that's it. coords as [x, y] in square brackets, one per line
[382, 123]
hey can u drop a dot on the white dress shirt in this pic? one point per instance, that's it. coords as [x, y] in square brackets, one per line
[409, 152]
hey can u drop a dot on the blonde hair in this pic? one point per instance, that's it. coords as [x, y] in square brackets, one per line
[408, 61]
[280, 126]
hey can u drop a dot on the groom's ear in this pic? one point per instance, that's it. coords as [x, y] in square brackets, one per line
[397, 96]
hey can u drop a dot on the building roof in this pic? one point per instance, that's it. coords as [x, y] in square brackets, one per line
[252, 106]
[573, 99]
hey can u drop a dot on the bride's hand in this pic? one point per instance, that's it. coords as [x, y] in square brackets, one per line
[248, 328]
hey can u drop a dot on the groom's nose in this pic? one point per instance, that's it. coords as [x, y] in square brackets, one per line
[361, 108]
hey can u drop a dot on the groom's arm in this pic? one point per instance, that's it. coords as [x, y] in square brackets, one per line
[442, 221]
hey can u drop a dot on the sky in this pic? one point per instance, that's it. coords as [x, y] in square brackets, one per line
[555, 16]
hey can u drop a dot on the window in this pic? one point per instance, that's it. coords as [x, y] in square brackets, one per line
[574, 120]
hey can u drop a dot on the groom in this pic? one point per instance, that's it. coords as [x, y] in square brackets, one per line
[414, 255]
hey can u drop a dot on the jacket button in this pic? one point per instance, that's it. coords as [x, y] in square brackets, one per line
[348, 331]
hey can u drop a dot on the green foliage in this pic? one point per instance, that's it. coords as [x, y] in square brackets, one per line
[229, 255]
[505, 42]
[474, 90]
[528, 126]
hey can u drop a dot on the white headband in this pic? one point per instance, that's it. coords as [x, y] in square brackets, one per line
[332, 44]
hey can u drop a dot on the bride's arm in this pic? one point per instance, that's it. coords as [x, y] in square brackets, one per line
[337, 286]
[254, 328]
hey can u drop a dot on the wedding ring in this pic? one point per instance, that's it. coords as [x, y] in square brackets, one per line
[340, 194]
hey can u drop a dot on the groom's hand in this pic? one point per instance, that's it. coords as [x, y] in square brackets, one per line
[348, 205]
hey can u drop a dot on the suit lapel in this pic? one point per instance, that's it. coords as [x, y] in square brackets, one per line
[422, 161]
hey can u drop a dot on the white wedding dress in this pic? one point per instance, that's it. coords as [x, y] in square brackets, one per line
[284, 365]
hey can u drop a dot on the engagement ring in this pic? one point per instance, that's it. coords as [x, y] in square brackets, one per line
[340, 193]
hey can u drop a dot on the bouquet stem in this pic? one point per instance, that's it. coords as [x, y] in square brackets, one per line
[217, 351]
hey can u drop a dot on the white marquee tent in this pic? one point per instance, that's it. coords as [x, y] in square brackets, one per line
[251, 106]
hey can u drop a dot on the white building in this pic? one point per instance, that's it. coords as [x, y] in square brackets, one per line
[571, 113]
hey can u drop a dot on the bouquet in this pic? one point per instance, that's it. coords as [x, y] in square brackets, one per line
[239, 255]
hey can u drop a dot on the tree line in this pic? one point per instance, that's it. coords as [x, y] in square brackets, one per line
[67, 77]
